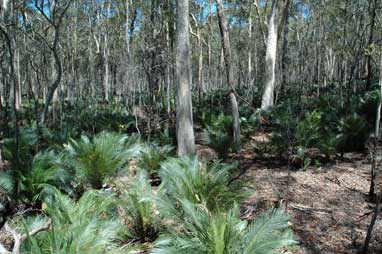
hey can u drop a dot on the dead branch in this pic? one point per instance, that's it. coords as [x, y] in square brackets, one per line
[20, 238]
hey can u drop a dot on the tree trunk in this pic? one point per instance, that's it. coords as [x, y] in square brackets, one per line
[270, 59]
[373, 7]
[374, 169]
[106, 77]
[56, 24]
[284, 57]
[228, 66]
[184, 121]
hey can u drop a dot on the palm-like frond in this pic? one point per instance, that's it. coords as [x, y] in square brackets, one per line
[48, 168]
[7, 183]
[96, 159]
[139, 204]
[189, 179]
[87, 226]
[21, 156]
[219, 140]
[152, 156]
[204, 232]
[268, 233]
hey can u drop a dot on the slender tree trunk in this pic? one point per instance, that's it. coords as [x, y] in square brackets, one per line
[374, 172]
[184, 121]
[373, 10]
[249, 74]
[106, 77]
[56, 23]
[284, 57]
[270, 59]
[228, 66]
[372, 190]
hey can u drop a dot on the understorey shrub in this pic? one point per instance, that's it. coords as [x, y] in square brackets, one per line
[102, 156]
[211, 185]
[202, 231]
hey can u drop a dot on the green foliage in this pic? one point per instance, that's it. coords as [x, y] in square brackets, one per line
[20, 156]
[210, 185]
[308, 130]
[218, 132]
[219, 140]
[92, 116]
[225, 233]
[101, 157]
[152, 156]
[285, 121]
[7, 184]
[87, 226]
[249, 124]
[353, 133]
[166, 137]
[138, 202]
[48, 169]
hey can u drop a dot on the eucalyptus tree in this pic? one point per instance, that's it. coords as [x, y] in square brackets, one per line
[270, 58]
[54, 13]
[226, 47]
[184, 121]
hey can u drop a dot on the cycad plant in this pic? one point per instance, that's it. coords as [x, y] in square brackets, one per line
[218, 134]
[206, 232]
[48, 169]
[138, 201]
[210, 185]
[101, 157]
[152, 156]
[88, 226]
[218, 140]
[353, 133]
[20, 153]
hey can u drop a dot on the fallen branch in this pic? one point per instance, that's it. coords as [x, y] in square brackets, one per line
[310, 209]
[19, 239]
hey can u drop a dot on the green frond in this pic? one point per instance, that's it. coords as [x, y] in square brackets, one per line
[48, 168]
[88, 226]
[268, 233]
[189, 179]
[139, 203]
[7, 183]
[206, 232]
[152, 156]
[104, 155]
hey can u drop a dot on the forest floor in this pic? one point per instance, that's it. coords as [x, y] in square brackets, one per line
[327, 204]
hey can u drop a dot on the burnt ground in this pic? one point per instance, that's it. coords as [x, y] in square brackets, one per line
[327, 204]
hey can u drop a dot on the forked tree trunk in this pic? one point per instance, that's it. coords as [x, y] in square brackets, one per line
[228, 67]
[270, 59]
[184, 121]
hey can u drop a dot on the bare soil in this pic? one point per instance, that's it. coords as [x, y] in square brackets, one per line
[328, 204]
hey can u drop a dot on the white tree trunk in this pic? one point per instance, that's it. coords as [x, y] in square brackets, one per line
[270, 59]
[184, 121]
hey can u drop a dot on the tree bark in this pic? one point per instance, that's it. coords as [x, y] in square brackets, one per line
[270, 59]
[374, 169]
[284, 57]
[228, 67]
[184, 121]
[56, 24]
[373, 7]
